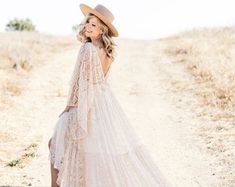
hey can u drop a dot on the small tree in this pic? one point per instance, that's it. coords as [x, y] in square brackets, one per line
[20, 25]
[75, 28]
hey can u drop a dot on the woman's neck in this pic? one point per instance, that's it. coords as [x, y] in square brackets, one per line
[97, 43]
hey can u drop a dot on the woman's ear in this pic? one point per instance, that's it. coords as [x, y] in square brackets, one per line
[101, 31]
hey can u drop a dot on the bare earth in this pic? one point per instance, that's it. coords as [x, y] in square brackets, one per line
[140, 77]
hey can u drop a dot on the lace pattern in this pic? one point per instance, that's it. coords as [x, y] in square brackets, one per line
[87, 79]
[94, 144]
[87, 71]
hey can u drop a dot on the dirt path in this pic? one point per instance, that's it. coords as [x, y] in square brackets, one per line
[35, 114]
[167, 127]
[140, 78]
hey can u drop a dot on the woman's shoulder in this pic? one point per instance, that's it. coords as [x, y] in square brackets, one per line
[87, 46]
[87, 49]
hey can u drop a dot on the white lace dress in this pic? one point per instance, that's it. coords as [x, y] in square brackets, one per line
[94, 145]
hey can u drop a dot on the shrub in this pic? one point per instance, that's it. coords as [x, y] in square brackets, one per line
[20, 25]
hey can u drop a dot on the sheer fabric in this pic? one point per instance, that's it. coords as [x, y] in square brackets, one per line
[94, 145]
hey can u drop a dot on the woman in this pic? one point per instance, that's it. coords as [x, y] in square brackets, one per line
[93, 143]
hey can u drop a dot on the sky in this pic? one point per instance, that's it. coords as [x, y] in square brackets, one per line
[139, 19]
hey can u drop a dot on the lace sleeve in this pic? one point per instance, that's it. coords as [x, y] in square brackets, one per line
[87, 72]
[89, 84]
[74, 84]
[90, 77]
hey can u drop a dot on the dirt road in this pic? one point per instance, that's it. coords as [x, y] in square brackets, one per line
[140, 77]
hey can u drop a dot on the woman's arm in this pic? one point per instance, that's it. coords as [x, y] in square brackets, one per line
[72, 100]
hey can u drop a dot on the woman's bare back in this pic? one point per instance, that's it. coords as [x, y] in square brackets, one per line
[105, 60]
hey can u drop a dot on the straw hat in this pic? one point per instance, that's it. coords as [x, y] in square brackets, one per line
[102, 13]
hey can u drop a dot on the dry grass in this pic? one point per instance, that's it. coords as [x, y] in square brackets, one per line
[25, 158]
[20, 52]
[24, 50]
[208, 55]
[12, 87]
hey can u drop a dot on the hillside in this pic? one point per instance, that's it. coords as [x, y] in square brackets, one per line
[178, 92]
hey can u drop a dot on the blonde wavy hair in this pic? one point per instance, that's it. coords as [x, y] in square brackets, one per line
[106, 38]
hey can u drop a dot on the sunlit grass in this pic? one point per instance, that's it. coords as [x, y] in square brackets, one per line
[208, 56]
[25, 158]
[20, 53]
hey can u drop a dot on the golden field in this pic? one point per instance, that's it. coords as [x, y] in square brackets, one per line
[178, 92]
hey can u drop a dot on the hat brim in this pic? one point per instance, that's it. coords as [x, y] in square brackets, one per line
[86, 10]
